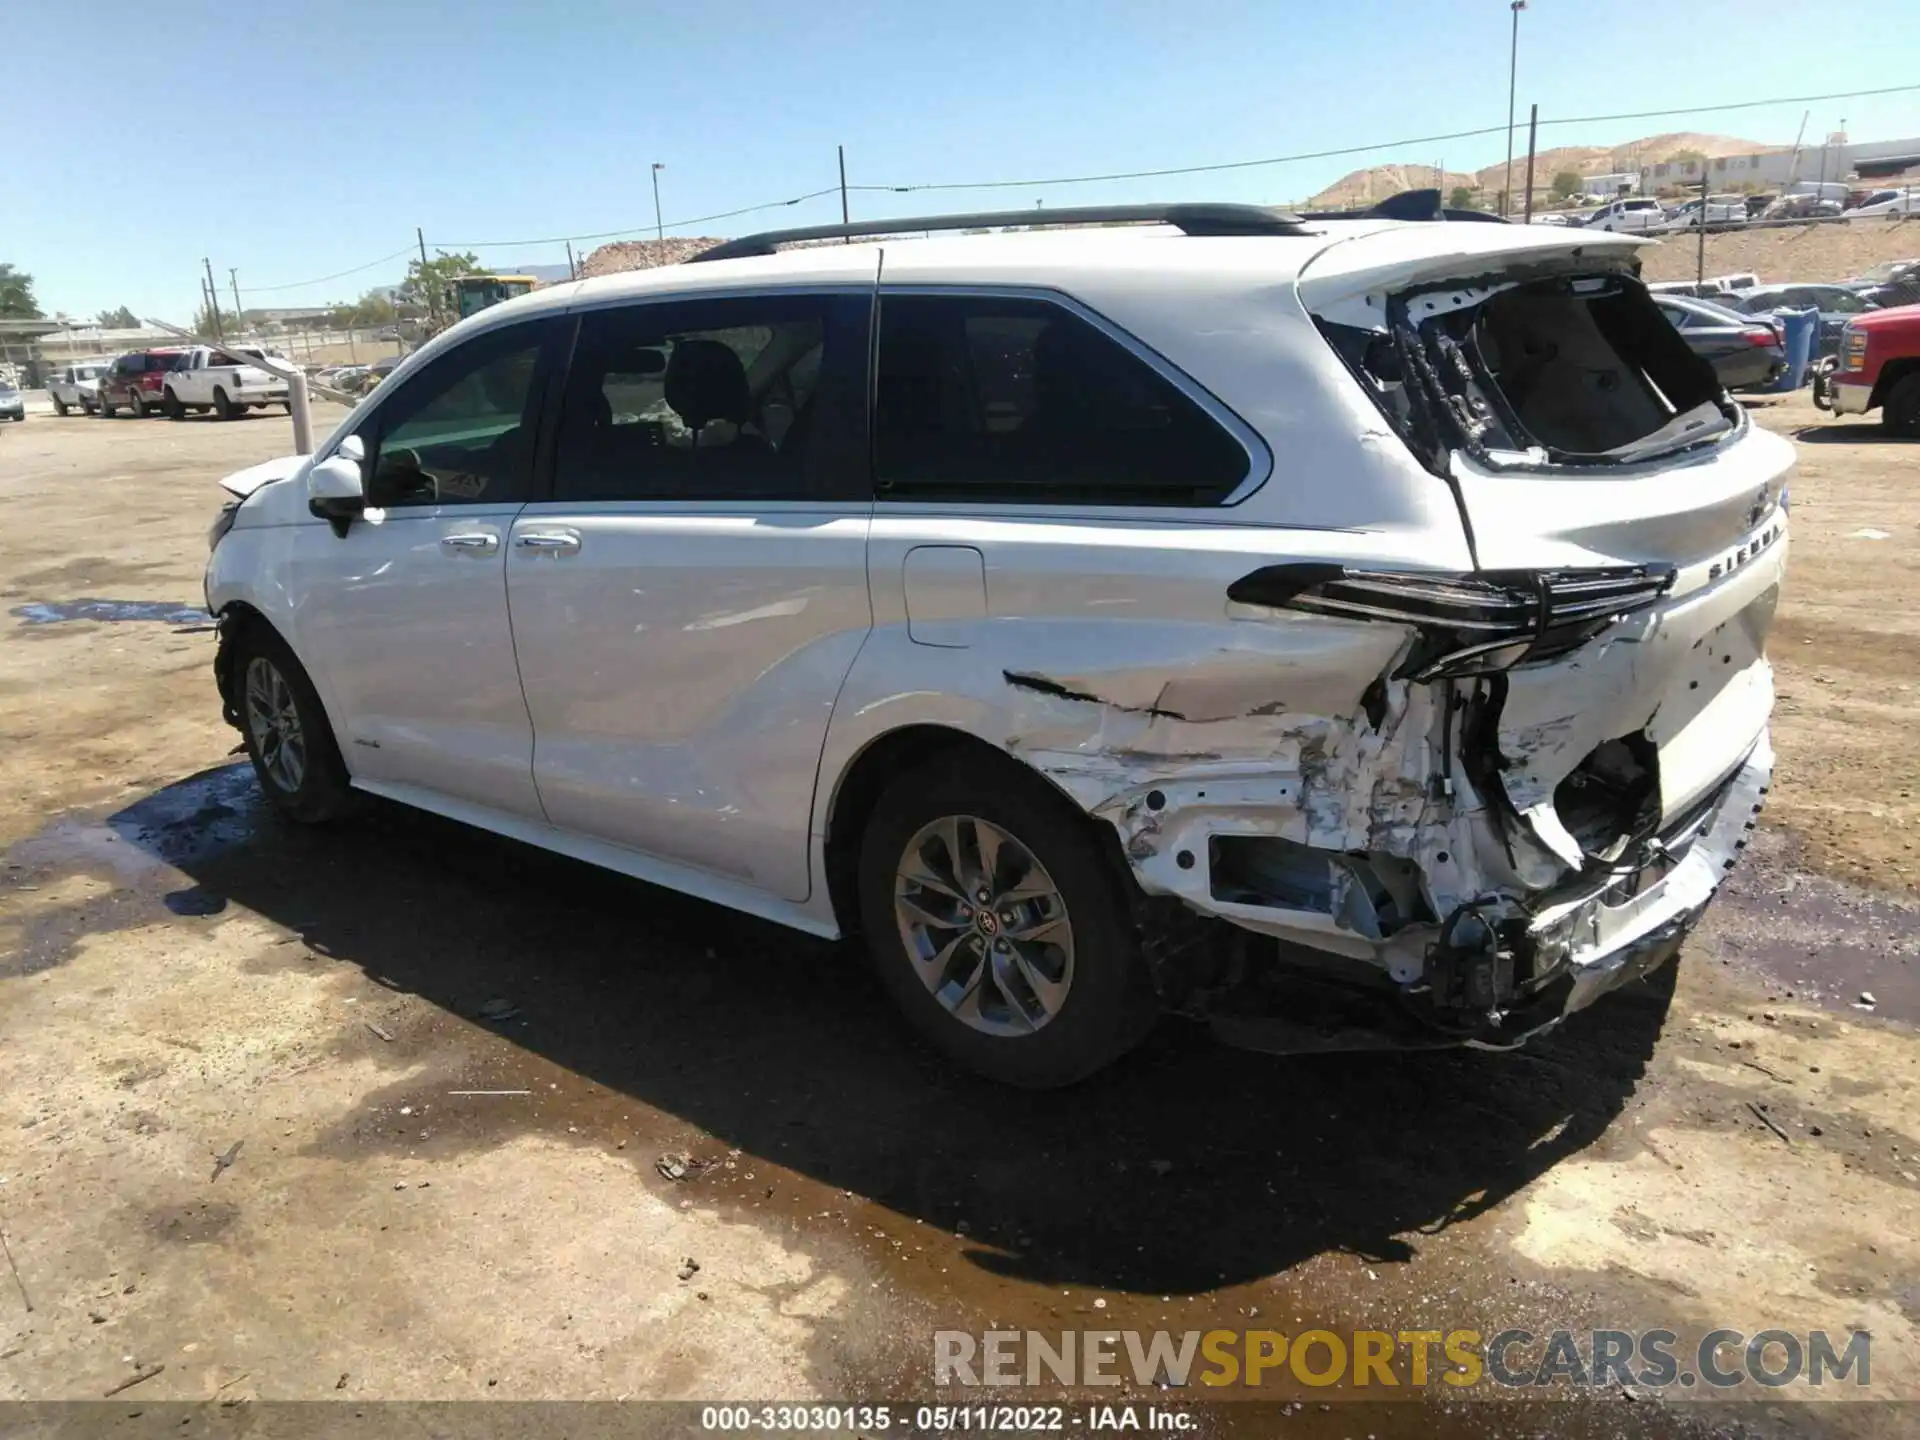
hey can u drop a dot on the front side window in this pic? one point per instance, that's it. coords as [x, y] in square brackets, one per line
[1010, 398]
[461, 431]
[735, 398]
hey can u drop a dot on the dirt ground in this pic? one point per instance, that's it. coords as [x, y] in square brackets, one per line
[1809, 253]
[254, 1128]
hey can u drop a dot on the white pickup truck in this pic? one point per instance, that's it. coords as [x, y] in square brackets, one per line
[77, 386]
[222, 381]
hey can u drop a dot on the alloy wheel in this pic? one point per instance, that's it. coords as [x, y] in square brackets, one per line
[984, 925]
[273, 720]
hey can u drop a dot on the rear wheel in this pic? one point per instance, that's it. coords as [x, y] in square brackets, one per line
[139, 406]
[106, 406]
[999, 925]
[1900, 411]
[284, 726]
[59, 406]
[222, 406]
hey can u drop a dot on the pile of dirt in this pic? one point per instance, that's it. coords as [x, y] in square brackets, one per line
[643, 254]
[1795, 252]
[1379, 181]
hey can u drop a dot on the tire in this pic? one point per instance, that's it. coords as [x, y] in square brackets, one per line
[105, 412]
[1900, 411]
[175, 410]
[222, 406]
[304, 780]
[1106, 1002]
[139, 406]
[59, 406]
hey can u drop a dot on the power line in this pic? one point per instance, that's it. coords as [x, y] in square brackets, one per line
[1408, 142]
[1185, 169]
[636, 229]
[338, 275]
[1735, 105]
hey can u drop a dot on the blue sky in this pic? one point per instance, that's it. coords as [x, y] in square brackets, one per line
[493, 120]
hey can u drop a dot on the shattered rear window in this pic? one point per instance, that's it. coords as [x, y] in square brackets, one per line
[1569, 370]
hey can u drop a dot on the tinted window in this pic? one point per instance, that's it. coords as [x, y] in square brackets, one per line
[981, 397]
[748, 398]
[460, 432]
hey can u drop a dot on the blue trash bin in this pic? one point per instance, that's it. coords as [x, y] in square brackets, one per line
[1803, 337]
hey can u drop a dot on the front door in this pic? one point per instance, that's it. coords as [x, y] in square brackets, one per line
[403, 619]
[688, 602]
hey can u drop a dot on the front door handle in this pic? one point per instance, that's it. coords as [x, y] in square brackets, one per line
[549, 542]
[474, 542]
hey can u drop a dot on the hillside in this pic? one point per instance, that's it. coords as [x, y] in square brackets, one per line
[1378, 181]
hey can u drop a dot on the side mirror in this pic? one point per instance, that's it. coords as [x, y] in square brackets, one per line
[336, 491]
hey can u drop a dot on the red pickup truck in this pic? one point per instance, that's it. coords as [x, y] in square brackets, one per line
[1878, 365]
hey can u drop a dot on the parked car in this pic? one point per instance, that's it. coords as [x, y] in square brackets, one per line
[1633, 213]
[1899, 202]
[1836, 303]
[13, 405]
[77, 386]
[136, 382]
[1724, 212]
[1801, 207]
[1878, 368]
[1024, 610]
[223, 381]
[1746, 354]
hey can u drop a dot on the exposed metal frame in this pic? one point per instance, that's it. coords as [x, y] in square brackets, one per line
[1189, 219]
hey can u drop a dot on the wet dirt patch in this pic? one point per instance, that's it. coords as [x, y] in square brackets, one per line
[197, 1222]
[43, 612]
[1819, 939]
[141, 848]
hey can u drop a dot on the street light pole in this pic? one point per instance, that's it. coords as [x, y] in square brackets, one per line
[659, 228]
[1513, 75]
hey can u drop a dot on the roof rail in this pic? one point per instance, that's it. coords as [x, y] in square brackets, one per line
[1406, 205]
[1191, 219]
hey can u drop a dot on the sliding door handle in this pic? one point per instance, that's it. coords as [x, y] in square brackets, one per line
[548, 542]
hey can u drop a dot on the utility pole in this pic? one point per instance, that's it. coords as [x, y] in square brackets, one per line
[233, 279]
[213, 300]
[1513, 74]
[1700, 268]
[659, 227]
[432, 309]
[843, 186]
[573, 271]
[1533, 131]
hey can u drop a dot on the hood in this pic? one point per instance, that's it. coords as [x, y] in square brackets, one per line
[1896, 318]
[244, 482]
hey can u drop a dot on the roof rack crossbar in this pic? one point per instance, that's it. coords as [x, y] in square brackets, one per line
[1190, 219]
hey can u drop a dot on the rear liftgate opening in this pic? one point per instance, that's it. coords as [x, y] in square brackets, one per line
[1544, 373]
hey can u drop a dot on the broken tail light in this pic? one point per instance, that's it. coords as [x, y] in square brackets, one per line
[1468, 624]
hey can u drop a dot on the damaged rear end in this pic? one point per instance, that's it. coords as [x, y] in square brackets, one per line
[1566, 747]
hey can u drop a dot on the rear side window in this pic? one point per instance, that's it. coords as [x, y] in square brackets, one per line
[734, 398]
[991, 398]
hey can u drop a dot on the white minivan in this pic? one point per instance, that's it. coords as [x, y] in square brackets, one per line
[1185, 608]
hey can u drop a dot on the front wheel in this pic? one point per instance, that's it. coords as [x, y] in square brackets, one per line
[284, 725]
[59, 406]
[175, 410]
[1900, 411]
[105, 411]
[1000, 926]
[222, 406]
[139, 406]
